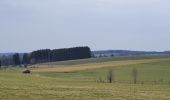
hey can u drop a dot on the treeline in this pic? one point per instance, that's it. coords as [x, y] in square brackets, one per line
[47, 55]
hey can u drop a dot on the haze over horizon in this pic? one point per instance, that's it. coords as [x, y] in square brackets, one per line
[142, 25]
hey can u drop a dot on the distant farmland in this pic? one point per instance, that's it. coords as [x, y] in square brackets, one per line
[109, 64]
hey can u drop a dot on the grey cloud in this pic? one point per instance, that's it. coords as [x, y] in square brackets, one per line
[101, 24]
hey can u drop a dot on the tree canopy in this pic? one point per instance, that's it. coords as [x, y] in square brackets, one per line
[16, 59]
[47, 55]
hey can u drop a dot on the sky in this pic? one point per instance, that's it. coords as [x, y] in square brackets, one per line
[27, 25]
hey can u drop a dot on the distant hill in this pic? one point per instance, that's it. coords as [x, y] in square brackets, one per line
[10, 54]
[6, 54]
[126, 53]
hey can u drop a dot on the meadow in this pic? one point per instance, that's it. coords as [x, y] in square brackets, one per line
[79, 80]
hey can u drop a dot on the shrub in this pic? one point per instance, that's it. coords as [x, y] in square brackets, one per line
[26, 72]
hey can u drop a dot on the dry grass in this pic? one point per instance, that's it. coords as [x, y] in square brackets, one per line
[16, 86]
[74, 68]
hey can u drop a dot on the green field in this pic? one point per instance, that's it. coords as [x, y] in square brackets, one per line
[153, 80]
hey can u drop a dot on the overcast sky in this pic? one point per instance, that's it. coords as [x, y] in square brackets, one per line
[27, 25]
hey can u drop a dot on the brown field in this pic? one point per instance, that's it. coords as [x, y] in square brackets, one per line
[74, 68]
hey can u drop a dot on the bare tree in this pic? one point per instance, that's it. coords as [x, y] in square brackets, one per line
[110, 76]
[135, 75]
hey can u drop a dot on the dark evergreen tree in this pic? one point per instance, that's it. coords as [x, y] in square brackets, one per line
[25, 60]
[16, 59]
[0, 64]
[47, 55]
[6, 60]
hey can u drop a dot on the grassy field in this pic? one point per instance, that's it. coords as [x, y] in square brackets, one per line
[89, 66]
[104, 59]
[82, 84]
